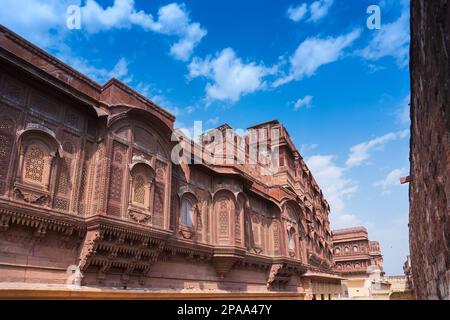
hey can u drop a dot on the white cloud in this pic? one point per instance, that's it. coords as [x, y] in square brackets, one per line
[305, 148]
[391, 40]
[191, 109]
[40, 21]
[313, 53]
[337, 188]
[231, 78]
[213, 121]
[121, 14]
[304, 102]
[185, 46]
[345, 220]
[297, 13]
[173, 19]
[158, 97]
[393, 236]
[333, 181]
[319, 9]
[360, 153]
[119, 70]
[44, 22]
[391, 180]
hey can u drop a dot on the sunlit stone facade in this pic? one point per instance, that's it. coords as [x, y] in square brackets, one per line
[359, 261]
[90, 196]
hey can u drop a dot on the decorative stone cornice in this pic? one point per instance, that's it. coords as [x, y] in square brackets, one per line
[39, 221]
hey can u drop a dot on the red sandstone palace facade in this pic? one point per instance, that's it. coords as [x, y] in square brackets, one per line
[89, 195]
[360, 262]
[354, 253]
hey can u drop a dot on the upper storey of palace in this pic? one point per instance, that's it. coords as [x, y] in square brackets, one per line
[105, 101]
[107, 104]
[354, 252]
[75, 150]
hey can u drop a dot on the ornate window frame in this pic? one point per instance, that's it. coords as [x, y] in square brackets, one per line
[291, 240]
[28, 189]
[141, 211]
[186, 230]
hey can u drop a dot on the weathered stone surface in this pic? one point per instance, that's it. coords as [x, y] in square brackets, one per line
[430, 148]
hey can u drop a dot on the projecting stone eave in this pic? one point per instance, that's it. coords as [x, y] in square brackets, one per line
[115, 92]
[42, 76]
[42, 66]
[323, 276]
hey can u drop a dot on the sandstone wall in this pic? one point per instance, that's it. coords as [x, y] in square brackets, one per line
[430, 148]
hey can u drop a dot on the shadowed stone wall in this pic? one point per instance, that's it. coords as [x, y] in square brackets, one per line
[430, 149]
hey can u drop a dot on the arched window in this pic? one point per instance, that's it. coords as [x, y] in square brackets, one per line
[292, 213]
[190, 222]
[36, 163]
[142, 176]
[355, 248]
[291, 239]
[337, 251]
[187, 212]
[139, 190]
[248, 229]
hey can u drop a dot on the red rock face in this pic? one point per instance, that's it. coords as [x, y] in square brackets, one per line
[430, 149]
[89, 194]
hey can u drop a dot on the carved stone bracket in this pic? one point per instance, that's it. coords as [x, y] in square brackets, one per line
[187, 233]
[104, 268]
[224, 259]
[4, 222]
[108, 247]
[223, 264]
[275, 270]
[281, 273]
[139, 216]
[257, 249]
[33, 197]
[68, 233]
[88, 248]
[41, 230]
[315, 260]
[153, 258]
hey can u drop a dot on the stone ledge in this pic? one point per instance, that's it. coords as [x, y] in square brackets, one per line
[108, 294]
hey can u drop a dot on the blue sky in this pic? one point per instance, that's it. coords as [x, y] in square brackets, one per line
[341, 90]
